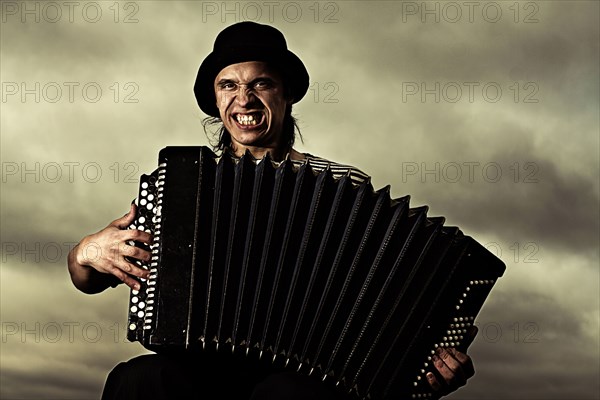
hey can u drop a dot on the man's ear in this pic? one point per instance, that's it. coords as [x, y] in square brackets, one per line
[289, 98]
[288, 95]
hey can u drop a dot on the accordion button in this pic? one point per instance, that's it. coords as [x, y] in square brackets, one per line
[134, 309]
[134, 299]
[144, 185]
[132, 327]
[144, 193]
[142, 220]
[143, 202]
[150, 197]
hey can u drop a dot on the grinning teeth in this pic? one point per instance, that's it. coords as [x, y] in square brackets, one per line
[246, 119]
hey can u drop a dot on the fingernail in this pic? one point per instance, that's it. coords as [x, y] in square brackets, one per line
[429, 376]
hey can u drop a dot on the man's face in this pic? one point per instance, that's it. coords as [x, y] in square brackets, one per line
[251, 101]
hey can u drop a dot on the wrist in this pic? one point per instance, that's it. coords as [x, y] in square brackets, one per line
[81, 256]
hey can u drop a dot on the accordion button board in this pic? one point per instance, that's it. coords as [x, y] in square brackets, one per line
[304, 270]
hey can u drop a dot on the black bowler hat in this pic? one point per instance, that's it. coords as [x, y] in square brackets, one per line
[248, 41]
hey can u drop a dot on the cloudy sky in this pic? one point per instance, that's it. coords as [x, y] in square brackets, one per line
[485, 111]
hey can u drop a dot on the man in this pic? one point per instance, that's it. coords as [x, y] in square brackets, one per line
[248, 84]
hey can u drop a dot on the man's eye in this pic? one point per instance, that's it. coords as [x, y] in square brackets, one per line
[227, 86]
[261, 85]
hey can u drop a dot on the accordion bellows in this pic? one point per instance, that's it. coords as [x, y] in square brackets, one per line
[311, 272]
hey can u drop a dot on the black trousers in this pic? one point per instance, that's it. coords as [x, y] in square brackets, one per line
[208, 377]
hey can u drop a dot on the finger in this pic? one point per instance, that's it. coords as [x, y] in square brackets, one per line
[449, 369]
[465, 361]
[123, 276]
[137, 236]
[125, 220]
[136, 253]
[453, 365]
[129, 281]
[131, 269]
[433, 382]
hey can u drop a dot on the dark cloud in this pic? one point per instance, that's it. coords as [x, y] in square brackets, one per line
[51, 333]
[555, 209]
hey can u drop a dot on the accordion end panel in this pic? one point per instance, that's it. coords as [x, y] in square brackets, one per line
[142, 302]
[460, 297]
[298, 269]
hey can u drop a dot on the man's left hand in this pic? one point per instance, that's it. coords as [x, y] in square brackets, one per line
[453, 367]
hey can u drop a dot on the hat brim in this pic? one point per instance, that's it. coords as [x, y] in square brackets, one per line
[287, 63]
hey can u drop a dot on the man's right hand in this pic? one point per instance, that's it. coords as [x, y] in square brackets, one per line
[103, 255]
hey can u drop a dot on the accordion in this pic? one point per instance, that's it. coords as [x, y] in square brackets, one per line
[309, 271]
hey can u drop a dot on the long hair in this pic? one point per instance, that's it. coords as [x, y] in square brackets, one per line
[220, 139]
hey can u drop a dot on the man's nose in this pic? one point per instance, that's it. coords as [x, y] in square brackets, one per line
[245, 95]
